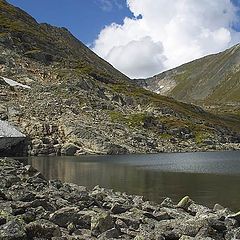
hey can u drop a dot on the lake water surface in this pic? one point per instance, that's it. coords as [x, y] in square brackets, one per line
[208, 178]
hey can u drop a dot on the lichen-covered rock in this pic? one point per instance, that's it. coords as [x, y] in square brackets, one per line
[69, 149]
[42, 229]
[13, 230]
[101, 222]
[65, 216]
[185, 203]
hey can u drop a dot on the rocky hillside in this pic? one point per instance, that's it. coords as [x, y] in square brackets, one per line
[212, 81]
[69, 101]
[48, 44]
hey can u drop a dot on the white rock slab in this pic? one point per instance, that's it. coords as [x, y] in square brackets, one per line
[7, 130]
[14, 83]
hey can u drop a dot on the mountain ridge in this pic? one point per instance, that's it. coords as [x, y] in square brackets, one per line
[51, 44]
[209, 81]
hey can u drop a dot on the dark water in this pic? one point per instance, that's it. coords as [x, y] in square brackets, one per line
[208, 178]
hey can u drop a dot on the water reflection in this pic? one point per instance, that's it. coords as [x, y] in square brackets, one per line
[154, 176]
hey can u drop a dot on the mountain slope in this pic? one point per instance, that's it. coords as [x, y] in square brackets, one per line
[69, 101]
[49, 44]
[212, 80]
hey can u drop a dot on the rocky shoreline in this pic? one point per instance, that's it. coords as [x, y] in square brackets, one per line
[31, 207]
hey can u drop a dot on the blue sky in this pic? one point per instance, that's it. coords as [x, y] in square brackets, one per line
[84, 18]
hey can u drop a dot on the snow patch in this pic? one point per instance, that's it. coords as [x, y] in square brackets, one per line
[14, 83]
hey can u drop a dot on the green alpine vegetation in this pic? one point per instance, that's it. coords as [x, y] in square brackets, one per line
[212, 82]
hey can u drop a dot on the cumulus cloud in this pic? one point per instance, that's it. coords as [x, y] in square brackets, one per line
[148, 59]
[166, 33]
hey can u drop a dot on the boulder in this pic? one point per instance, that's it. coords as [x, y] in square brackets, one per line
[69, 149]
[185, 203]
[64, 216]
[13, 230]
[100, 223]
[42, 229]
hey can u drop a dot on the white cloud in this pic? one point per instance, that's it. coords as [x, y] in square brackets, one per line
[168, 33]
[149, 59]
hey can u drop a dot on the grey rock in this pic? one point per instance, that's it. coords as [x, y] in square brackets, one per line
[13, 230]
[40, 209]
[185, 203]
[109, 234]
[218, 207]
[69, 149]
[167, 202]
[65, 216]
[235, 216]
[100, 223]
[119, 208]
[42, 229]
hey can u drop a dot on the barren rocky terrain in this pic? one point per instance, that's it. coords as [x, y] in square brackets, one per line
[68, 101]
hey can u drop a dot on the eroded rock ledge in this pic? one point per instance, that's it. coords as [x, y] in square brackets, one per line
[32, 207]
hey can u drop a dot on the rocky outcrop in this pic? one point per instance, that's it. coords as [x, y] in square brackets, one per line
[12, 142]
[31, 207]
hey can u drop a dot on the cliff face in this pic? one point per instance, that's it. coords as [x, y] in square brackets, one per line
[211, 82]
[70, 101]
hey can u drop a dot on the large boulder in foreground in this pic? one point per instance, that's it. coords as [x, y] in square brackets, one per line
[12, 141]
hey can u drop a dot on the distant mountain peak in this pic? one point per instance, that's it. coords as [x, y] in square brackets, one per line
[211, 80]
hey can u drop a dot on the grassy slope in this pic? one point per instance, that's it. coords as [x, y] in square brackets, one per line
[211, 80]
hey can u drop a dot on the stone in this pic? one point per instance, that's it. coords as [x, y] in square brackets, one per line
[69, 149]
[217, 225]
[235, 216]
[3, 220]
[184, 237]
[65, 211]
[185, 203]
[42, 229]
[109, 234]
[208, 233]
[167, 202]
[119, 208]
[218, 207]
[160, 216]
[233, 234]
[65, 216]
[30, 170]
[13, 230]
[100, 223]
